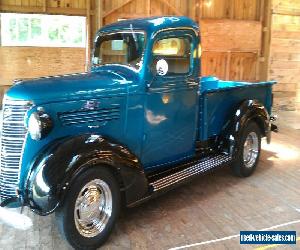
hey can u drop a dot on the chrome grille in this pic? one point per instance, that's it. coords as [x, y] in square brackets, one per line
[89, 116]
[11, 147]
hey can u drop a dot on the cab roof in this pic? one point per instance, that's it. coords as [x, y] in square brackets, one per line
[151, 24]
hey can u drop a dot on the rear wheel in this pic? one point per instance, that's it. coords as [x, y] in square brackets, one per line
[248, 152]
[90, 209]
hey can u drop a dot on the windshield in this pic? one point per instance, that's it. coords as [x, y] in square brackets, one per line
[120, 48]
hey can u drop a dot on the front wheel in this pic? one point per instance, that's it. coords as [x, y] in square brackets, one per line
[248, 152]
[90, 209]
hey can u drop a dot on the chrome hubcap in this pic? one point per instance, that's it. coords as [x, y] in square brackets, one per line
[250, 150]
[93, 208]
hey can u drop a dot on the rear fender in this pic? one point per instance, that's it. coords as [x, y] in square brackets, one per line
[57, 168]
[249, 110]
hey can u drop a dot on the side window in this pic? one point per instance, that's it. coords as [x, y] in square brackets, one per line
[171, 56]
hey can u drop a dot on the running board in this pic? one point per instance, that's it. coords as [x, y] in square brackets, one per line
[189, 170]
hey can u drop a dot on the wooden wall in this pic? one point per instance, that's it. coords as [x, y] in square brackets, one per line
[230, 29]
[284, 62]
[235, 36]
[228, 51]
[52, 6]
[30, 62]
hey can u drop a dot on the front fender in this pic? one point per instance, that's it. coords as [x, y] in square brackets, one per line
[248, 110]
[58, 166]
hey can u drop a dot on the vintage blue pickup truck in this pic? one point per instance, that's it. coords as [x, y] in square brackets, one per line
[140, 123]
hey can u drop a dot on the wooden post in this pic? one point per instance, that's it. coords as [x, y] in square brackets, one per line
[266, 40]
[88, 32]
[228, 61]
[257, 66]
[100, 13]
[148, 7]
[45, 6]
[200, 9]
[261, 13]
[231, 9]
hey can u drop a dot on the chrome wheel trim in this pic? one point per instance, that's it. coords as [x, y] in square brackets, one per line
[250, 152]
[93, 208]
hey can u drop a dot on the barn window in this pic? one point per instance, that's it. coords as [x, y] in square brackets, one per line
[42, 30]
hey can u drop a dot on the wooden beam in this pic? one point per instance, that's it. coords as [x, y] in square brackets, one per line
[200, 9]
[232, 51]
[228, 61]
[88, 34]
[116, 8]
[261, 19]
[231, 9]
[129, 15]
[68, 11]
[177, 12]
[266, 40]
[261, 12]
[50, 10]
[15, 8]
[148, 7]
[196, 10]
[294, 12]
[45, 5]
[99, 7]
[257, 66]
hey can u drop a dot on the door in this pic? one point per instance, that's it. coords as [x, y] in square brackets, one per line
[171, 101]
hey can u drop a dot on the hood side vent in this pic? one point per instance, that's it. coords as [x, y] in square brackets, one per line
[89, 116]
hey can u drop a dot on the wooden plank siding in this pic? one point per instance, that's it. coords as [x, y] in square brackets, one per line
[230, 35]
[228, 47]
[28, 62]
[284, 64]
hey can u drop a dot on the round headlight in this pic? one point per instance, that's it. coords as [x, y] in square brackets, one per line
[39, 125]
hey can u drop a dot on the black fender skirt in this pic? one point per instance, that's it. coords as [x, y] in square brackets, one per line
[248, 110]
[57, 167]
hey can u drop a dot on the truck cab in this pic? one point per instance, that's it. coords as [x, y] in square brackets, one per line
[139, 123]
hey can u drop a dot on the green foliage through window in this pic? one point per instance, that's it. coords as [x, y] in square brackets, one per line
[23, 29]
[42, 30]
[36, 27]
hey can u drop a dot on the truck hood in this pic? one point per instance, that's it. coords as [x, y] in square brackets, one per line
[104, 82]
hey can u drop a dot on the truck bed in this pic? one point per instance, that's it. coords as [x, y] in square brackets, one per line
[219, 100]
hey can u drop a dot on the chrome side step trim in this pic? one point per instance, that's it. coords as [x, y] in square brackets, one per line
[198, 167]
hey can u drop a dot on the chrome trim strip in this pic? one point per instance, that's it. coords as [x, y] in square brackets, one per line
[178, 28]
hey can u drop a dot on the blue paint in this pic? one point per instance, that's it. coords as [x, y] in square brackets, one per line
[220, 100]
[160, 117]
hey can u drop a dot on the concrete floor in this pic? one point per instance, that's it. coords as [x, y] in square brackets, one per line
[211, 207]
